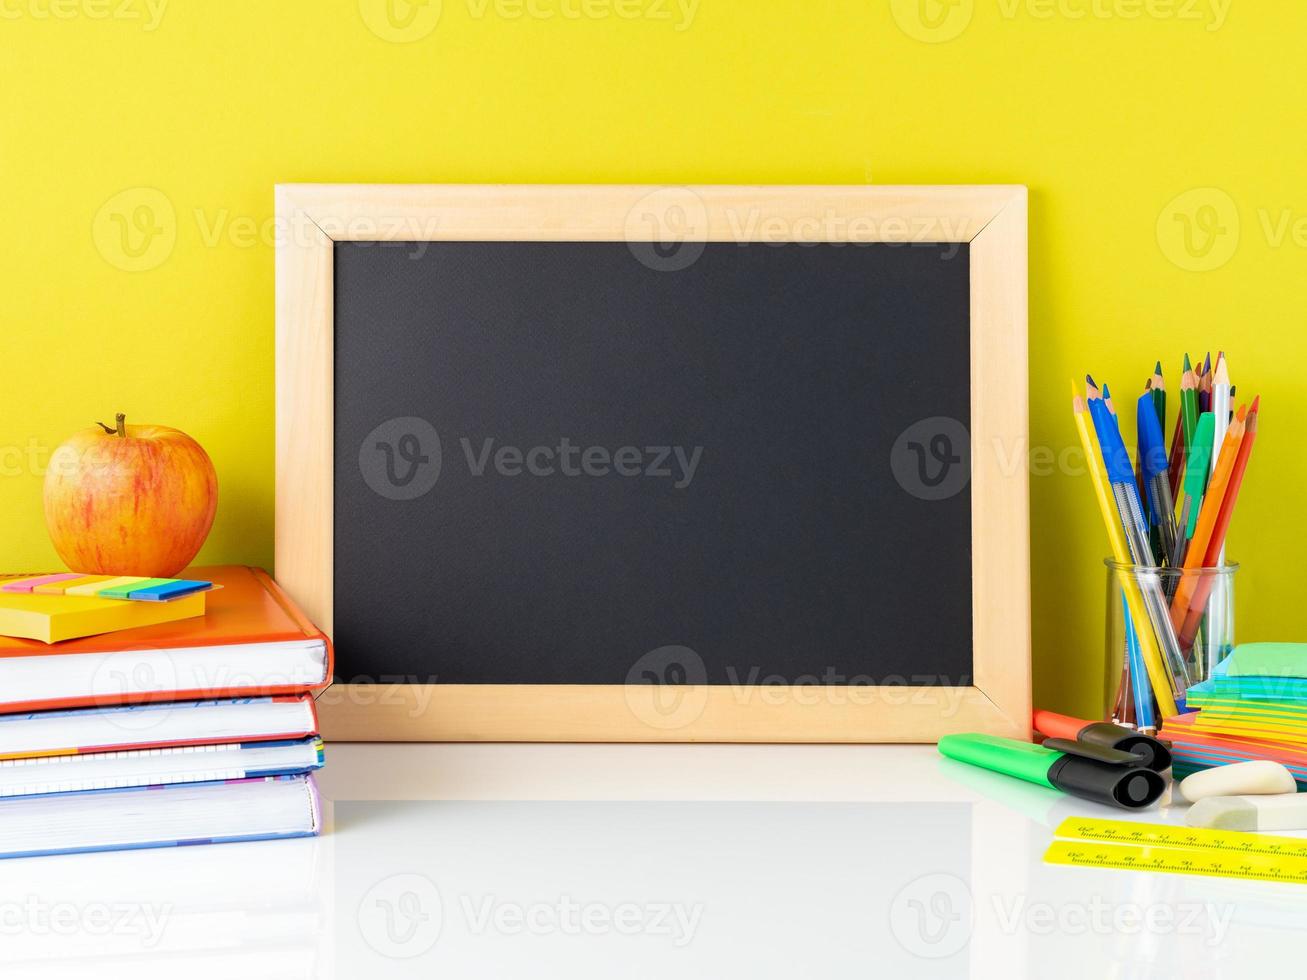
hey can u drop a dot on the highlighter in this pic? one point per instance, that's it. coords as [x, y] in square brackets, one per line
[1090, 772]
[1153, 753]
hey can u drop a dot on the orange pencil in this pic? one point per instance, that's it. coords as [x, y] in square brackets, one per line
[1199, 601]
[1197, 553]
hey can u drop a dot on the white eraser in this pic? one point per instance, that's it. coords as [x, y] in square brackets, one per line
[1287, 811]
[1258, 778]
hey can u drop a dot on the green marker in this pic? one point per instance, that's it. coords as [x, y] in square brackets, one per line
[1091, 772]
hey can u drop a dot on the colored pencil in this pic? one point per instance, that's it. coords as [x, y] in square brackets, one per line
[1121, 481]
[1216, 547]
[1172, 509]
[1211, 508]
[1156, 387]
[1156, 669]
[1205, 386]
[1175, 458]
[1157, 487]
[1188, 407]
[1221, 412]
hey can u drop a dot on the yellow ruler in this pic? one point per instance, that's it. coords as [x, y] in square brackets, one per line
[1091, 843]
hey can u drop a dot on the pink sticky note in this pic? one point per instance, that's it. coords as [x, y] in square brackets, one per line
[27, 584]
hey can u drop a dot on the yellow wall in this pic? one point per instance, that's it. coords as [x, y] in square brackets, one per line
[1107, 109]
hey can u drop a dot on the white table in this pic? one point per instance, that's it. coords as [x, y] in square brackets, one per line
[644, 861]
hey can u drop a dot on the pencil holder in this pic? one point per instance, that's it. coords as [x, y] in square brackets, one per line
[1205, 600]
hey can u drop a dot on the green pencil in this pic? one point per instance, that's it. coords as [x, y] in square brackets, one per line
[1189, 405]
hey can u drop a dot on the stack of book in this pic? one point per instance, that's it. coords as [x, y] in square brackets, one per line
[201, 730]
[1254, 706]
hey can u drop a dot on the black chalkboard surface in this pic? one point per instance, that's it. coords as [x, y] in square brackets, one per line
[552, 459]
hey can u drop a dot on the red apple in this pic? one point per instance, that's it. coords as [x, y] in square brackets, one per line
[131, 500]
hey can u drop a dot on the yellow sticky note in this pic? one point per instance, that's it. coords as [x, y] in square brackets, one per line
[87, 587]
[60, 588]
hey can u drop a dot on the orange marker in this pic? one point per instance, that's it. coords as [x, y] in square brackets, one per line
[1197, 555]
[1199, 602]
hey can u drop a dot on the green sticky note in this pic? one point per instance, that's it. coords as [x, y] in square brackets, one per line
[1268, 660]
[123, 591]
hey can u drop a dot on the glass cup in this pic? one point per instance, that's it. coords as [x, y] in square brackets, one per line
[1205, 637]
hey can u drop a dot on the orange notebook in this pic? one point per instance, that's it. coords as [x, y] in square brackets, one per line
[252, 641]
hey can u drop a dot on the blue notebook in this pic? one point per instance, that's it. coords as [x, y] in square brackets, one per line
[169, 816]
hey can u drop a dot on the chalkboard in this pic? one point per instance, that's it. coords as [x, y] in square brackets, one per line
[550, 469]
[626, 459]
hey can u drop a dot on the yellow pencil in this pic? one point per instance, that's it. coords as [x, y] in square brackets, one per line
[1121, 553]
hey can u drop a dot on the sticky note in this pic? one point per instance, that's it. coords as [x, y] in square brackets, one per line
[28, 584]
[1267, 660]
[95, 588]
[61, 588]
[169, 590]
[125, 591]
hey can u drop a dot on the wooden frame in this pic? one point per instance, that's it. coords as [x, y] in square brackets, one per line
[312, 217]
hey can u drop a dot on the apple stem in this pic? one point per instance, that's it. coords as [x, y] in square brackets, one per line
[121, 431]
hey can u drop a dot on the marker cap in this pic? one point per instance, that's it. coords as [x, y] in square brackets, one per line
[1132, 788]
[1153, 753]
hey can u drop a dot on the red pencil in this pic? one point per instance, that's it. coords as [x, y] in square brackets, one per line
[1217, 541]
[1175, 464]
